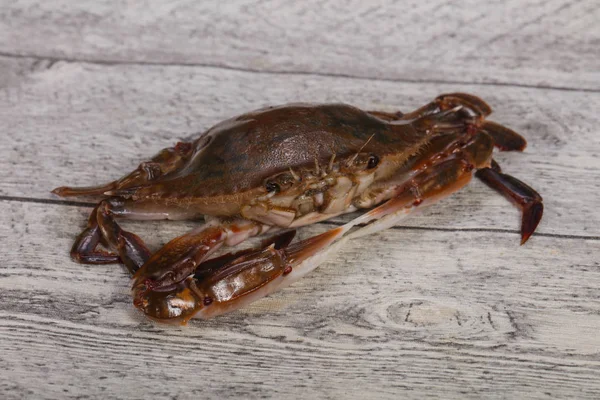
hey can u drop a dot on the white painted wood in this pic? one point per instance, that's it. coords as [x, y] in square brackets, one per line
[82, 124]
[406, 313]
[545, 43]
[446, 306]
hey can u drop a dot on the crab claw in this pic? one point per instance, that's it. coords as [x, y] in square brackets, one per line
[176, 305]
[237, 283]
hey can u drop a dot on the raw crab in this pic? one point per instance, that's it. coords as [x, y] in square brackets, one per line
[281, 168]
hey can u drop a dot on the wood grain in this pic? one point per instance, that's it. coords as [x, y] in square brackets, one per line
[447, 305]
[551, 43]
[64, 124]
[477, 317]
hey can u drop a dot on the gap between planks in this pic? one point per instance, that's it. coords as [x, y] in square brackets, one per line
[54, 60]
[70, 203]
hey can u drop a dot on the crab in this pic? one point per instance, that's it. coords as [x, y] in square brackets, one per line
[277, 169]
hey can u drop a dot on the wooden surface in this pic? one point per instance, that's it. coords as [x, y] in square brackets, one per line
[445, 306]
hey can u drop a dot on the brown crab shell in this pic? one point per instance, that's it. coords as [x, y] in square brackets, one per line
[232, 159]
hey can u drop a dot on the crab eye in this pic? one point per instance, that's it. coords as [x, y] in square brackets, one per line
[373, 161]
[280, 183]
[272, 187]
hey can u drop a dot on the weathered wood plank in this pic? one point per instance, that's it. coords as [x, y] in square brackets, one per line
[82, 124]
[443, 307]
[477, 317]
[546, 43]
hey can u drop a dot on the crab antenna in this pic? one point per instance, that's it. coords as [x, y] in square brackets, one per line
[330, 166]
[317, 170]
[351, 160]
[296, 176]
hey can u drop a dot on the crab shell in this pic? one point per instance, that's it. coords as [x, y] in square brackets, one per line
[286, 166]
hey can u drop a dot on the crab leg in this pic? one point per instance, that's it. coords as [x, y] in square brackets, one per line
[475, 109]
[210, 266]
[454, 110]
[472, 105]
[505, 139]
[180, 257]
[467, 104]
[103, 229]
[387, 116]
[84, 249]
[521, 194]
[163, 163]
[128, 248]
